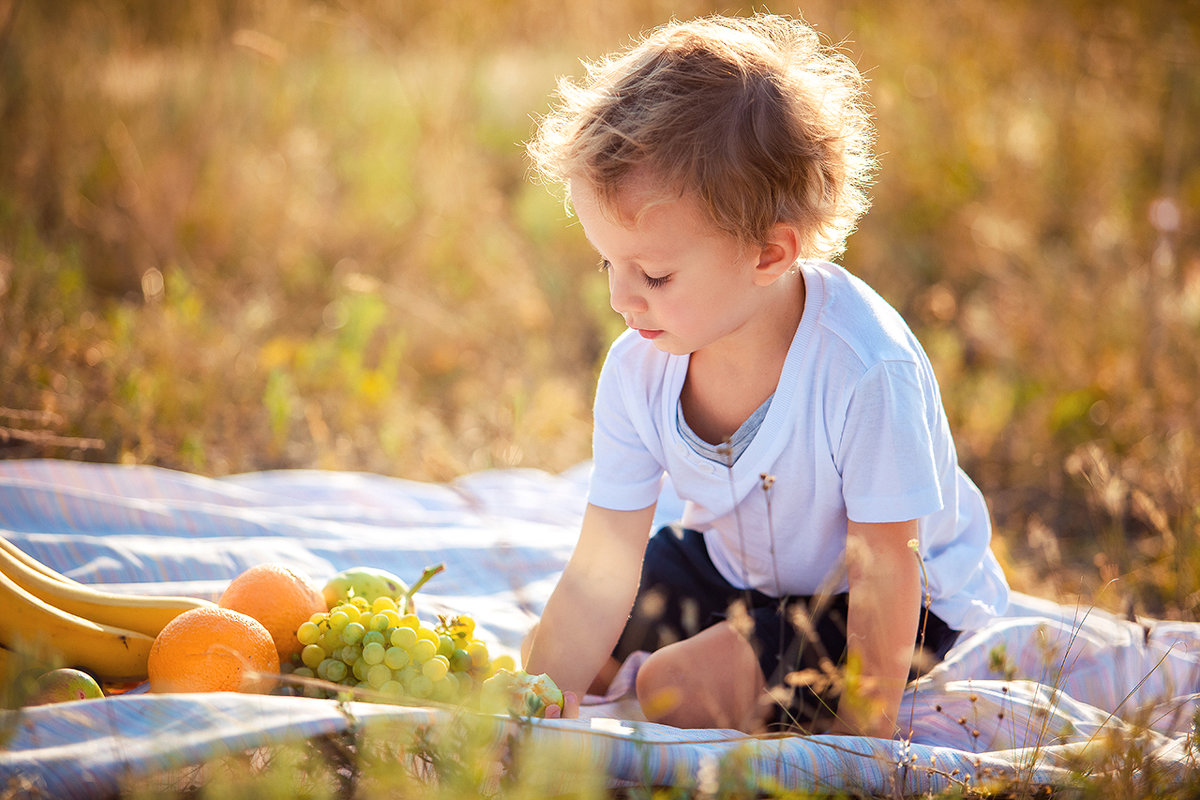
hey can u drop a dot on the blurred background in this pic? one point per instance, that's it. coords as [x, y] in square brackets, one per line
[238, 236]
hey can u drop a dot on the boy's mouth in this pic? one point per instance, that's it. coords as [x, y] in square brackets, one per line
[648, 334]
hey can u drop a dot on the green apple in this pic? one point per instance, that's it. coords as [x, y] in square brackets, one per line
[371, 583]
[519, 693]
[62, 686]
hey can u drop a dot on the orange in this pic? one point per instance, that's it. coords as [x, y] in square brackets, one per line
[212, 649]
[281, 598]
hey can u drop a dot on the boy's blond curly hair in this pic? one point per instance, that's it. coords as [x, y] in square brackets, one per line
[755, 115]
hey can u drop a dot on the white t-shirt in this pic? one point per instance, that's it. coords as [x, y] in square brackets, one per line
[855, 430]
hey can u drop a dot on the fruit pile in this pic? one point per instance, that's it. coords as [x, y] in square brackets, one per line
[360, 631]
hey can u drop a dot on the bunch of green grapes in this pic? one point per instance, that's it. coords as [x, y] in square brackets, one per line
[375, 646]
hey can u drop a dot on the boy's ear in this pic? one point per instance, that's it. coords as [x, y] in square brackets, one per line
[778, 255]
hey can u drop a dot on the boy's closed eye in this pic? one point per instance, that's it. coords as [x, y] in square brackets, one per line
[651, 282]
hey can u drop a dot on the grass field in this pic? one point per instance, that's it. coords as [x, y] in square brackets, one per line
[248, 235]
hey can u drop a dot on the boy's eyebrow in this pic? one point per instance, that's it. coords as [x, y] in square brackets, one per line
[635, 258]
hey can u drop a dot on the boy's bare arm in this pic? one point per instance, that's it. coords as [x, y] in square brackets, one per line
[885, 605]
[586, 612]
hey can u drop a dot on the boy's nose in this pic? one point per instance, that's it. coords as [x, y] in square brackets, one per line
[624, 297]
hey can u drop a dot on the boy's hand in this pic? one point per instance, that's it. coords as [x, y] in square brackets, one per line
[568, 710]
[522, 694]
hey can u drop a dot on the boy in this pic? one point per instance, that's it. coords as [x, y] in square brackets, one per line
[713, 165]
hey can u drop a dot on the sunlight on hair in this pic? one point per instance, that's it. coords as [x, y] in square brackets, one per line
[755, 116]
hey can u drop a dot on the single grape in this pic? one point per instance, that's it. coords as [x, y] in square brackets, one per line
[373, 653]
[404, 637]
[445, 645]
[353, 633]
[378, 675]
[406, 674]
[323, 668]
[308, 633]
[377, 622]
[460, 660]
[352, 611]
[361, 602]
[359, 669]
[350, 653]
[430, 634]
[393, 617]
[423, 650]
[304, 672]
[338, 620]
[393, 690]
[435, 668]
[410, 621]
[312, 655]
[420, 686]
[478, 652]
[336, 671]
[396, 657]
[382, 602]
[318, 617]
[374, 636]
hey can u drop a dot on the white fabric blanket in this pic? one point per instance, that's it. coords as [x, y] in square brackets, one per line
[1032, 698]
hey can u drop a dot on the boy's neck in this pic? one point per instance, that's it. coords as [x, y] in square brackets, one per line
[765, 340]
[728, 381]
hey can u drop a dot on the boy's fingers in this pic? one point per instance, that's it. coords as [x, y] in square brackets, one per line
[570, 705]
[568, 710]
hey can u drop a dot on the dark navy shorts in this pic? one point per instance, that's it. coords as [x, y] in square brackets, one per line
[682, 593]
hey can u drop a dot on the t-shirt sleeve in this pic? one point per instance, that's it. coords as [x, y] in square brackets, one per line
[625, 474]
[886, 454]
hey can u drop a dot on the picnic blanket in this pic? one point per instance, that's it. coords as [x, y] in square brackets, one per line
[1035, 697]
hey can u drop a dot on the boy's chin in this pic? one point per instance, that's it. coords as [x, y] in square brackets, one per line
[671, 347]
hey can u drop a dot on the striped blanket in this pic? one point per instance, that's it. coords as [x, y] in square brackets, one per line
[1033, 698]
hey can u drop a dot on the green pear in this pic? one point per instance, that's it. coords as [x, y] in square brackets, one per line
[371, 583]
[63, 685]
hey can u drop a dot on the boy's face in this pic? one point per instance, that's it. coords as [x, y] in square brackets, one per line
[672, 275]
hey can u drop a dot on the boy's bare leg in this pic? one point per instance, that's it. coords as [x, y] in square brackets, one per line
[599, 684]
[710, 680]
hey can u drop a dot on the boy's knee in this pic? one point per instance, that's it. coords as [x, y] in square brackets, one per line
[711, 680]
[661, 685]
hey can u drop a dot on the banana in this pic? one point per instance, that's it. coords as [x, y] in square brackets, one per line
[32, 626]
[31, 562]
[145, 614]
